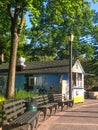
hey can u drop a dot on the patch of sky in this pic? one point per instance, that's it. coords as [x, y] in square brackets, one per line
[28, 23]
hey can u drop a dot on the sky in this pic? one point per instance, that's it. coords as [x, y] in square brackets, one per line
[94, 6]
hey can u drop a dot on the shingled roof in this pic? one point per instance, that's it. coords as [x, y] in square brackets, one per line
[36, 67]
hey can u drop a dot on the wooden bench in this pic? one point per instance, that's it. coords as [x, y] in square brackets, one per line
[61, 102]
[44, 104]
[15, 116]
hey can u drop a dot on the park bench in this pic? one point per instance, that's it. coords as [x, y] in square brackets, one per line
[43, 104]
[60, 100]
[15, 116]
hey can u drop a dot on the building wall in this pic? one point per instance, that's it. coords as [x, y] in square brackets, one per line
[35, 82]
[19, 81]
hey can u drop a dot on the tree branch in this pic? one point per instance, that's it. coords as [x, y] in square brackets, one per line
[21, 22]
[10, 12]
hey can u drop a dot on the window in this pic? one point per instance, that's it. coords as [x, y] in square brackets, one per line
[73, 79]
[31, 81]
[79, 79]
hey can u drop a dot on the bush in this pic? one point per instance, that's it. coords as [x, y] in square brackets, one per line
[24, 94]
[2, 98]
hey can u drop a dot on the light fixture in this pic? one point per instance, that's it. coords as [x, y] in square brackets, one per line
[71, 37]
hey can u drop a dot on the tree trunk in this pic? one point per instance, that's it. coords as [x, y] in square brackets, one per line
[12, 66]
[15, 31]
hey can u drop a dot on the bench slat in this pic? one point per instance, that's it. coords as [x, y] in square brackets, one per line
[26, 118]
[9, 104]
[7, 111]
[12, 115]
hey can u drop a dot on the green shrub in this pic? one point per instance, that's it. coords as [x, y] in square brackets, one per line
[2, 98]
[24, 94]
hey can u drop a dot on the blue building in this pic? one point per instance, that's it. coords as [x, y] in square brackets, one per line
[41, 75]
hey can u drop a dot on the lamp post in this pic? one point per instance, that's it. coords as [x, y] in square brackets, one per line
[70, 37]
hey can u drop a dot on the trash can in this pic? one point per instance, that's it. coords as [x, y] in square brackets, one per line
[32, 106]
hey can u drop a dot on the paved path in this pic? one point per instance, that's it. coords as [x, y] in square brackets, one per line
[83, 116]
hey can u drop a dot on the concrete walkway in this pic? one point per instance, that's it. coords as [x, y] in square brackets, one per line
[83, 116]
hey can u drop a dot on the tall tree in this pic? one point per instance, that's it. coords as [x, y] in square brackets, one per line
[15, 11]
[56, 22]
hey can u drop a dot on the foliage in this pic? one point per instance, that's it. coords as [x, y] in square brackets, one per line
[95, 36]
[55, 22]
[2, 98]
[24, 94]
[4, 33]
[49, 30]
[90, 81]
[91, 75]
[19, 94]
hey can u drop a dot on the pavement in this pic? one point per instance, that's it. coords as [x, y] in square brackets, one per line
[82, 116]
